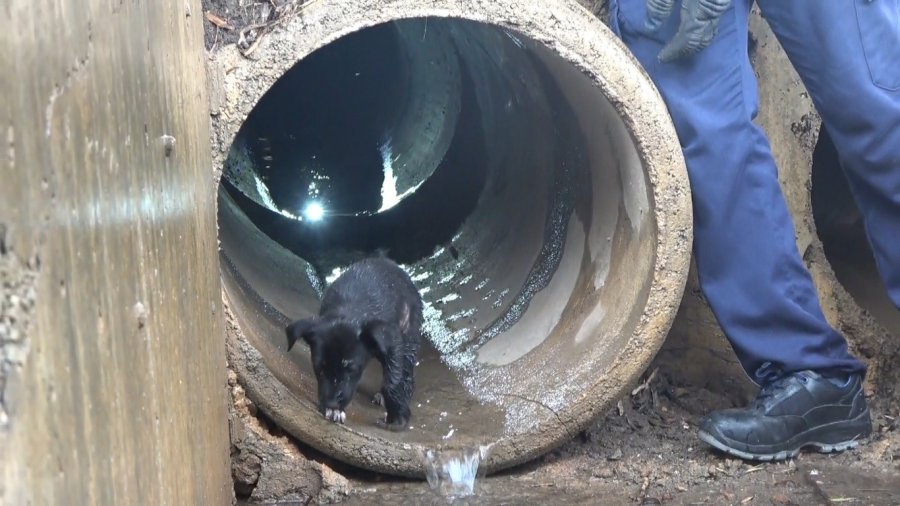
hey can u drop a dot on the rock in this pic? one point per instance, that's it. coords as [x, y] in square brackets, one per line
[268, 467]
[603, 472]
[335, 487]
[245, 468]
[698, 470]
[782, 500]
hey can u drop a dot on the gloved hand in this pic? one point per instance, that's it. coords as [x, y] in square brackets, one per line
[699, 25]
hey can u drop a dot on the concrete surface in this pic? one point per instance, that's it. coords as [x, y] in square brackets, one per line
[111, 351]
[535, 377]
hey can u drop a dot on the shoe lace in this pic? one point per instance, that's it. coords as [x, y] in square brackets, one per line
[773, 388]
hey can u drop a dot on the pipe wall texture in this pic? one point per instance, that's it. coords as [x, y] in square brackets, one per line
[111, 353]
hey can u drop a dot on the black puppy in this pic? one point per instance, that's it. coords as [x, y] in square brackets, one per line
[372, 310]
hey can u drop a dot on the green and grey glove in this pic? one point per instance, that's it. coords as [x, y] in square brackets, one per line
[699, 25]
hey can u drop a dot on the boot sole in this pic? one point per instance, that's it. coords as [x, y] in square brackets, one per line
[847, 432]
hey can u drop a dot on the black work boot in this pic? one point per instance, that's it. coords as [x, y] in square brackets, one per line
[799, 410]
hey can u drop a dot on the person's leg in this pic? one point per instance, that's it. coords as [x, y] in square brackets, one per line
[848, 56]
[749, 266]
[744, 242]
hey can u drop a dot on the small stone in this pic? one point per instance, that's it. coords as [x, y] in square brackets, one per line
[604, 472]
[711, 471]
[334, 485]
[697, 470]
[781, 500]
[616, 454]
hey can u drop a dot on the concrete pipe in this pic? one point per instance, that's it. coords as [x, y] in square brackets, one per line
[511, 155]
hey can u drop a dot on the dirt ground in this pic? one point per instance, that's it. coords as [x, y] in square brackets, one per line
[244, 22]
[645, 452]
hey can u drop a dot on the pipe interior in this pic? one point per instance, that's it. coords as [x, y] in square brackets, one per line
[493, 170]
[843, 235]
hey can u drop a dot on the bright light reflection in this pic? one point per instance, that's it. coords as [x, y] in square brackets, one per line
[314, 211]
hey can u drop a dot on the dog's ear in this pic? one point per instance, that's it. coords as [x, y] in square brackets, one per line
[300, 329]
[378, 337]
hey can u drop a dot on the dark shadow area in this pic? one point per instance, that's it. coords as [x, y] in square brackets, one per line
[315, 137]
[841, 230]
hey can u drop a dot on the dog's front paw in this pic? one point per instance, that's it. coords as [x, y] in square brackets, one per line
[335, 415]
[395, 425]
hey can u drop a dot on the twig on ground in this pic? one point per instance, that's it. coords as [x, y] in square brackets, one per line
[219, 22]
[643, 386]
[280, 14]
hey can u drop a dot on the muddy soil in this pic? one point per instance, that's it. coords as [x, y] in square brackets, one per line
[646, 451]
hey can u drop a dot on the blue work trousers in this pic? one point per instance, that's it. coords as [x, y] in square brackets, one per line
[847, 53]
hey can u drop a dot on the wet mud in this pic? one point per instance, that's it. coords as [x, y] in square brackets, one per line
[645, 451]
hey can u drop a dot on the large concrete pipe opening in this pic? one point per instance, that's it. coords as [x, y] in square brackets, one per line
[841, 229]
[511, 156]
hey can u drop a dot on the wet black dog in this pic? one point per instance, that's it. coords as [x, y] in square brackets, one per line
[372, 310]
